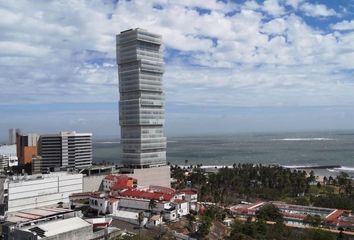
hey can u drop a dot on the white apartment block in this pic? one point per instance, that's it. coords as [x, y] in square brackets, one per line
[33, 191]
[66, 149]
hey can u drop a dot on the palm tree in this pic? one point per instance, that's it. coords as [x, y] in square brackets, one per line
[140, 220]
[152, 205]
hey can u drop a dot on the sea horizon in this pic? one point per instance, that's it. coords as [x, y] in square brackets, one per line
[290, 149]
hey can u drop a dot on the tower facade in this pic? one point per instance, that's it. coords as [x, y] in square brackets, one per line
[141, 105]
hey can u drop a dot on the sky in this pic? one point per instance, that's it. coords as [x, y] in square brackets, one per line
[231, 66]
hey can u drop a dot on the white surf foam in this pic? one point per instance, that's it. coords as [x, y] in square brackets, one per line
[298, 166]
[304, 139]
[344, 169]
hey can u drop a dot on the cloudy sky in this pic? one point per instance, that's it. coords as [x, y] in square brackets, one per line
[231, 66]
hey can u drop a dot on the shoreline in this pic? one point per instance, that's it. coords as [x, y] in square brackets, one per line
[319, 170]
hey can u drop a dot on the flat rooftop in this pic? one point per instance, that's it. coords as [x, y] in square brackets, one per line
[57, 227]
[35, 214]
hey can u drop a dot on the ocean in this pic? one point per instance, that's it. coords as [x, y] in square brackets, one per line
[286, 149]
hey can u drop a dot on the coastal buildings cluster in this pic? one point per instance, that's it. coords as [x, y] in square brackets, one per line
[50, 188]
[44, 173]
[46, 152]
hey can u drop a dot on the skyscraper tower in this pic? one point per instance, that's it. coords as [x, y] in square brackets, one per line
[141, 105]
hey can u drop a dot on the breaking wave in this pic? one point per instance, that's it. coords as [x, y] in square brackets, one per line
[304, 139]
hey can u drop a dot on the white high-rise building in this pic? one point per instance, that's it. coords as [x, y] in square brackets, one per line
[66, 149]
[141, 106]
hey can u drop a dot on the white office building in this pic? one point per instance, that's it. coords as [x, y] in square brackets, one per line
[33, 191]
[141, 106]
[66, 149]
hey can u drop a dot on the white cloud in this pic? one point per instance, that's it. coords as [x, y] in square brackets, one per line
[344, 25]
[65, 51]
[294, 3]
[275, 26]
[273, 7]
[317, 10]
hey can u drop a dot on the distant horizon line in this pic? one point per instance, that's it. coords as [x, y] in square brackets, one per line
[98, 138]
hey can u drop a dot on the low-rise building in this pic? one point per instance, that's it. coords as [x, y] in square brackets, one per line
[122, 195]
[296, 214]
[182, 207]
[118, 183]
[103, 204]
[7, 161]
[8, 156]
[53, 223]
[72, 228]
[26, 192]
[191, 196]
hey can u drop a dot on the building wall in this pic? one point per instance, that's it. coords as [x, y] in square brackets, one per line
[28, 154]
[50, 151]
[113, 207]
[38, 192]
[160, 176]
[26, 147]
[182, 208]
[100, 204]
[142, 204]
[93, 183]
[107, 184]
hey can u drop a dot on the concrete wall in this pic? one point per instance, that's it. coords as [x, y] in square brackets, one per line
[101, 205]
[142, 204]
[160, 176]
[93, 183]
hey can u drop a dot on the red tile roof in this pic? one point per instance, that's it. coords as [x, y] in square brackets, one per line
[147, 195]
[188, 192]
[120, 182]
[332, 217]
[162, 189]
[110, 177]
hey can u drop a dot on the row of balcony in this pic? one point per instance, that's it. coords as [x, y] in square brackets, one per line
[141, 122]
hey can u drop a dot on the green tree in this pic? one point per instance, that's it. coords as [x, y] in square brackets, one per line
[204, 227]
[313, 220]
[140, 221]
[269, 212]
